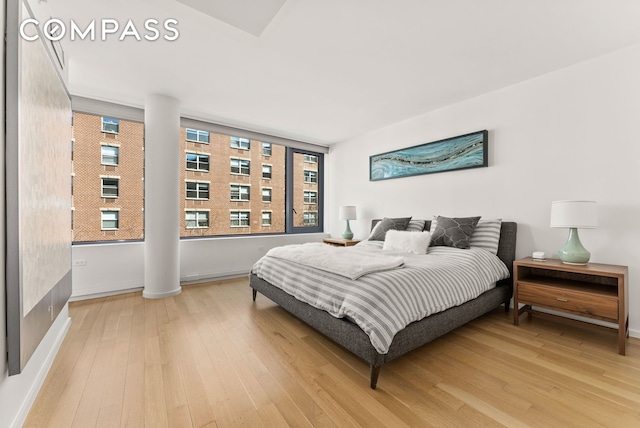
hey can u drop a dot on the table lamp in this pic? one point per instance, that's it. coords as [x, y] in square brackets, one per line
[347, 212]
[574, 215]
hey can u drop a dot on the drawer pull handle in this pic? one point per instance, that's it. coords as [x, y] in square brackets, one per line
[561, 299]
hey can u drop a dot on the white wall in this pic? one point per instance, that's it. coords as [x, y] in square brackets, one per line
[116, 268]
[571, 134]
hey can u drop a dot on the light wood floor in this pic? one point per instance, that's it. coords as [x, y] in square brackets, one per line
[211, 357]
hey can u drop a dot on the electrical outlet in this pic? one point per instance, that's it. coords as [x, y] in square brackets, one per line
[80, 262]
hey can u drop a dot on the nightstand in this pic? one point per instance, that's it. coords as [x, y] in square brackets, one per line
[596, 291]
[339, 242]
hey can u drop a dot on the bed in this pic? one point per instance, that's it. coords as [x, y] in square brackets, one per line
[351, 336]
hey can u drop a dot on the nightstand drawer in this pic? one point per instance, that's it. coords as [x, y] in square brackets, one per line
[577, 302]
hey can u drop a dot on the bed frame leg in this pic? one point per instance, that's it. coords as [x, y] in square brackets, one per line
[507, 304]
[375, 371]
[255, 293]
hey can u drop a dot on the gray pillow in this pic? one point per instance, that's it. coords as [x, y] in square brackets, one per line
[453, 231]
[380, 230]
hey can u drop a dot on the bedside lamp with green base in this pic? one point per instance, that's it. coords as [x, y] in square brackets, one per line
[348, 212]
[574, 215]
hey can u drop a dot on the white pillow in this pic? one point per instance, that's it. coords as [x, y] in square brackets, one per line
[407, 242]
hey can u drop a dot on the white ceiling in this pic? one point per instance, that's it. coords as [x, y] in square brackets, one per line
[326, 70]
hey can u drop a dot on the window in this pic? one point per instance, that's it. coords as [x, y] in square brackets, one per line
[197, 136]
[311, 159]
[240, 193]
[110, 125]
[266, 172]
[196, 219]
[197, 190]
[310, 197]
[109, 155]
[263, 177]
[240, 143]
[266, 195]
[110, 220]
[197, 162]
[98, 153]
[310, 218]
[266, 218]
[310, 176]
[240, 166]
[240, 218]
[110, 187]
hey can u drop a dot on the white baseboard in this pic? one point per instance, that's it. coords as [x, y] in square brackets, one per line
[34, 389]
[97, 295]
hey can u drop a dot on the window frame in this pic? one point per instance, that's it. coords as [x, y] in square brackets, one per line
[310, 201]
[240, 193]
[198, 162]
[117, 187]
[196, 219]
[240, 213]
[102, 155]
[262, 218]
[111, 121]
[267, 149]
[269, 190]
[197, 190]
[315, 176]
[102, 219]
[240, 168]
[289, 195]
[198, 133]
[239, 142]
[264, 165]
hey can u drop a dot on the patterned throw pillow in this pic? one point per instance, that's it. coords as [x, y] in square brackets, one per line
[380, 230]
[416, 226]
[487, 235]
[453, 231]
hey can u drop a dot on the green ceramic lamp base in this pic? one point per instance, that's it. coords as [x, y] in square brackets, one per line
[348, 234]
[573, 252]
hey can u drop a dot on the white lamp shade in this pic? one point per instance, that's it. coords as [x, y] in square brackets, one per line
[348, 212]
[578, 214]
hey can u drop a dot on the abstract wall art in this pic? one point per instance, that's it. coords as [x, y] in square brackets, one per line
[461, 152]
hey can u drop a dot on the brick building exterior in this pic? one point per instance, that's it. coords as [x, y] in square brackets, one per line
[107, 158]
[229, 185]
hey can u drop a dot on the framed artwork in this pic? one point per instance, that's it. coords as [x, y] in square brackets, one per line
[461, 152]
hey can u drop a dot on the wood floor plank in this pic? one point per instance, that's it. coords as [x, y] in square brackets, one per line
[211, 357]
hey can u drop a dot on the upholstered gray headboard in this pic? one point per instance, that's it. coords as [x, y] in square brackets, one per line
[506, 247]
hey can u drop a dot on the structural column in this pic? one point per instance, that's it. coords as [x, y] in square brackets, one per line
[161, 197]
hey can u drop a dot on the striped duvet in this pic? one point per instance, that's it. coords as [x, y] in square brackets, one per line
[383, 303]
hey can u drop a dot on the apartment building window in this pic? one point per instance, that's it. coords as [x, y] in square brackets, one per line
[197, 162]
[311, 159]
[197, 136]
[310, 197]
[110, 187]
[266, 195]
[310, 218]
[109, 155]
[240, 218]
[240, 143]
[310, 176]
[240, 166]
[110, 220]
[266, 218]
[195, 219]
[197, 190]
[240, 193]
[110, 125]
[266, 149]
[266, 172]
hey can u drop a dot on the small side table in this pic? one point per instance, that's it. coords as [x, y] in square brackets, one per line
[340, 242]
